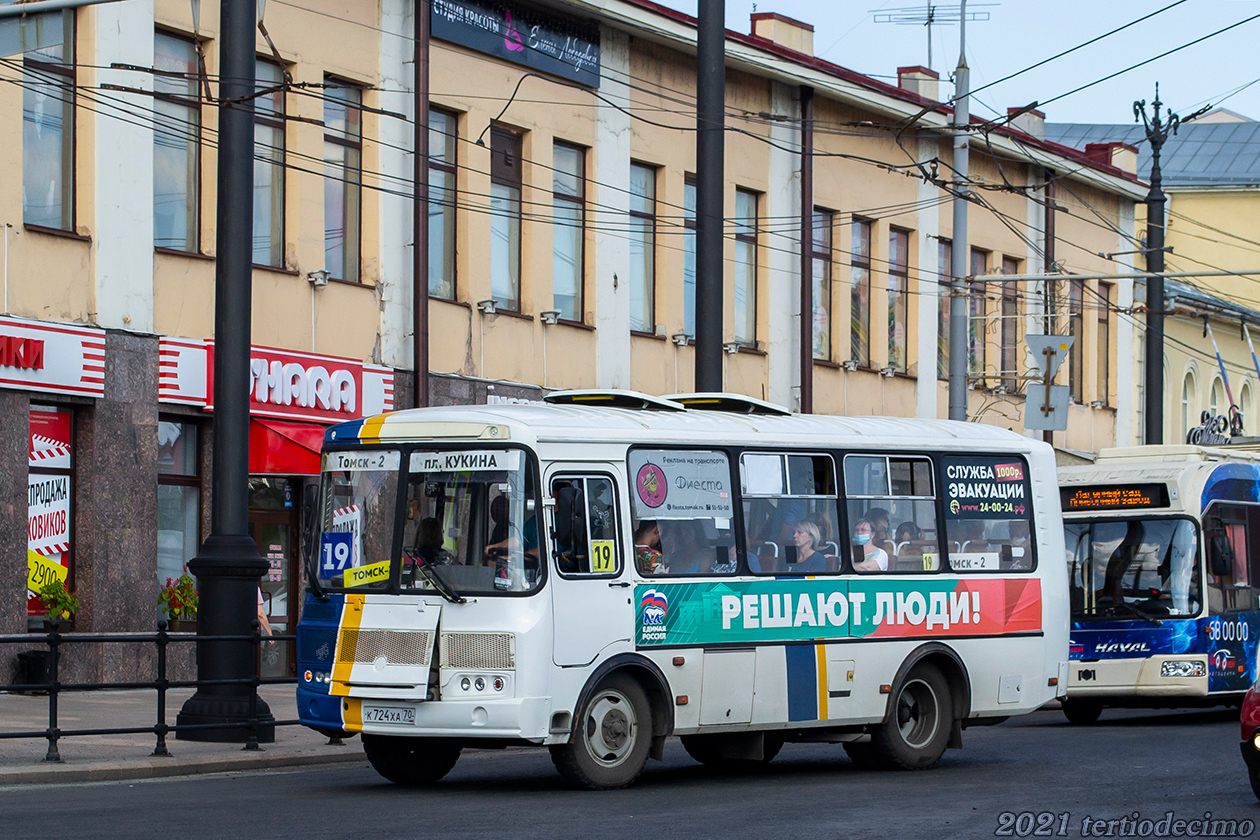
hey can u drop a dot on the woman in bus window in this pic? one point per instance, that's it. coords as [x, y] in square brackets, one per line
[809, 561]
[866, 556]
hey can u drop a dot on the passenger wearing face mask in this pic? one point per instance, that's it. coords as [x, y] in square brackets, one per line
[867, 557]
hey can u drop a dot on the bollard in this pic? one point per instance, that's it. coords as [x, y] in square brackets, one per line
[161, 684]
[54, 654]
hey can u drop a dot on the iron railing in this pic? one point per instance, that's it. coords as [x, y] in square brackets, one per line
[54, 640]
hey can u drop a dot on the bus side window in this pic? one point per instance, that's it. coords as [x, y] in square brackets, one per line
[1230, 585]
[585, 535]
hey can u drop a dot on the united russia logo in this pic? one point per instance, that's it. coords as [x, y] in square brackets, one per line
[655, 606]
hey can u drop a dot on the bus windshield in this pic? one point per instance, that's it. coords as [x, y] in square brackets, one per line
[358, 506]
[471, 523]
[1133, 569]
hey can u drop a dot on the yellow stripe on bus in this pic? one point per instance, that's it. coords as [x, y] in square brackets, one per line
[824, 712]
[370, 431]
[352, 714]
[347, 637]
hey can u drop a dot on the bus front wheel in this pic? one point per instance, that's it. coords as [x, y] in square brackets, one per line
[410, 761]
[611, 738]
[917, 729]
[1082, 712]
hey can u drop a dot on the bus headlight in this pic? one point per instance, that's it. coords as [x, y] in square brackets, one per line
[1183, 668]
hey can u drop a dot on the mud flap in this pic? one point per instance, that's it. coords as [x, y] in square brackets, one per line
[955, 736]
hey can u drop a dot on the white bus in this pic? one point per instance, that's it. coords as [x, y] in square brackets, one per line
[611, 569]
[1160, 543]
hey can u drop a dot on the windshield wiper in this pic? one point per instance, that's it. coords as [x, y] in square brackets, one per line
[443, 588]
[1140, 613]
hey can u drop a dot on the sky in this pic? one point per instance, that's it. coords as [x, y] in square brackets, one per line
[1020, 33]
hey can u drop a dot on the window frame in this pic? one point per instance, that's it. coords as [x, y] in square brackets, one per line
[193, 479]
[194, 106]
[281, 164]
[66, 69]
[619, 550]
[860, 261]
[935, 498]
[577, 202]
[689, 250]
[1009, 350]
[744, 568]
[978, 315]
[349, 183]
[746, 235]
[515, 147]
[72, 473]
[451, 169]
[647, 218]
[1076, 356]
[1103, 343]
[899, 306]
[944, 286]
[823, 220]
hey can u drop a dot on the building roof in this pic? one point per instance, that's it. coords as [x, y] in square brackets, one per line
[1198, 155]
[1208, 304]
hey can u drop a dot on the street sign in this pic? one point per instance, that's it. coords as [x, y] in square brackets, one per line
[1048, 348]
[1035, 404]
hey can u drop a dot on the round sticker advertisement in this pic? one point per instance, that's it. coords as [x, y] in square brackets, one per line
[651, 485]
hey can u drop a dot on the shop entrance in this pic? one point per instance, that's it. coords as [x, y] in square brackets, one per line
[274, 522]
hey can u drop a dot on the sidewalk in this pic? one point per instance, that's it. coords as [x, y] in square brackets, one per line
[95, 758]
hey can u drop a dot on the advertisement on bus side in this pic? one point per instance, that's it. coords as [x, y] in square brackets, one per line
[716, 612]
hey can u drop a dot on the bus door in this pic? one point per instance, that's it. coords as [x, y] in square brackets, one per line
[590, 598]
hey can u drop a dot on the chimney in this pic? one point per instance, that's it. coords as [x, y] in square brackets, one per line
[921, 80]
[1028, 120]
[784, 31]
[1120, 155]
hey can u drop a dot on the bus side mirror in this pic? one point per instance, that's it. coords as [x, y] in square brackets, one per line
[1221, 555]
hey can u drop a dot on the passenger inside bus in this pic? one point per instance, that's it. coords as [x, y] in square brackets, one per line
[872, 558]
[806, 539]
[647, 547]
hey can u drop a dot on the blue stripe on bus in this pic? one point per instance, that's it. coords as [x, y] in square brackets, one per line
[347, 432]
[802, 682]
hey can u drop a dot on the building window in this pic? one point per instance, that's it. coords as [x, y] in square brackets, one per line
[176, 145]
[977, 322]
[505, 218]
[823, 222]
[568, 213]
[898, 298]
[746, 267]
[860, 294]
[50, 510]
[442, 134]
[1216, 398]
[1104, 344]
[944, 281]
[1076, 294]
[343, 150]
[1187, 401]
[642, 248]
[179, 498]
[1010, 325]
[689, 257]
[48, 123]
[269, 166]
[1244, 405]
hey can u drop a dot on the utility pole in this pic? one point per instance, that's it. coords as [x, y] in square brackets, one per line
[228, 566]
[807, 249]
[420, 210]
[1157, 132]
[710, 189]
[959, 250]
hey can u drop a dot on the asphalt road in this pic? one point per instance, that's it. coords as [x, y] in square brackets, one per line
[1150, 762]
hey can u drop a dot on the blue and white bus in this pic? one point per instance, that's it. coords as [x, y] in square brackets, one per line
[601, 573]
[1163, 555]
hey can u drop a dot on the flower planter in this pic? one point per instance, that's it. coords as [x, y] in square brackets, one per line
[182, 625]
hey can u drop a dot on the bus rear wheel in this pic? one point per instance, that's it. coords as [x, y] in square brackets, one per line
[1082, 712]
[917, 729]
[410, 761]
[611, 738]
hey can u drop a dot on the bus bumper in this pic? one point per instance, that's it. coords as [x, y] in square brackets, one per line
[1138, 677]
[522, 718]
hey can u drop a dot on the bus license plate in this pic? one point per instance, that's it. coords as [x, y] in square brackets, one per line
[387, 714]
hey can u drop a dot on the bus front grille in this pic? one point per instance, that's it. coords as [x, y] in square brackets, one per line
[399, 647]
[479, 651]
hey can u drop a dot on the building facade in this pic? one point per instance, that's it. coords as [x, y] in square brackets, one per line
[562, 253]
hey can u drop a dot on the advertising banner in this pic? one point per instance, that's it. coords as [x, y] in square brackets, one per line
[681, 484]
[985, 488]
[49, 440]
[743, 611]
[47, 534]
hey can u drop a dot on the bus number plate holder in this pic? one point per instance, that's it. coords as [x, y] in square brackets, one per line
[389, 714]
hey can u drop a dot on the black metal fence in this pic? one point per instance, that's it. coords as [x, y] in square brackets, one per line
[54, 640]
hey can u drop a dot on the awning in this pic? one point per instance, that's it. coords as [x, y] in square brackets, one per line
[284, 447]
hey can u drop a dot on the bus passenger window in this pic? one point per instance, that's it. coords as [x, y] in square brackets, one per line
[790, 513]
[892, 514]
[585, 534]
[1228, 543]
[988, 513]
[682, 512]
